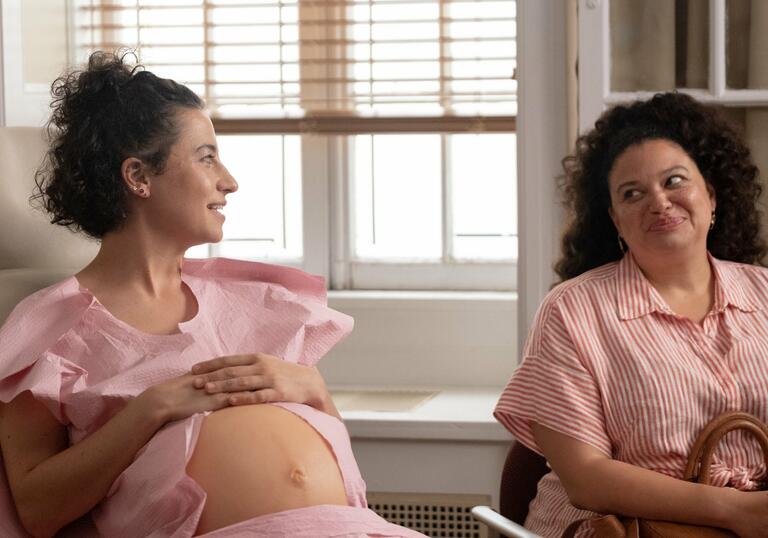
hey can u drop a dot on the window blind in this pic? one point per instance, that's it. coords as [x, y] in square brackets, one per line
[341, 66]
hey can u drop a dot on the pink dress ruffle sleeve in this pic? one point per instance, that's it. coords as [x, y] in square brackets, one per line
[84, 364]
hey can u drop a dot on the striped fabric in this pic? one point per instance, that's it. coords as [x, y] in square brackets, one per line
[609, 364]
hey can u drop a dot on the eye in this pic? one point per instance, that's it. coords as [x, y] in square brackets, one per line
[674, 181]
[630, 194]
[209, 159]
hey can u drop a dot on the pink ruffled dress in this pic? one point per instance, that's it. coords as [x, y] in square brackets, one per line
[84, 365]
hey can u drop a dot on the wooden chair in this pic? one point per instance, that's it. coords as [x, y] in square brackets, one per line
[520, 477]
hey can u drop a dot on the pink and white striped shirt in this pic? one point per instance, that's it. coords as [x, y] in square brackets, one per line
[608, 363]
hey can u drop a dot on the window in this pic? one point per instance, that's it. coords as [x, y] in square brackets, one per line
[374, 140]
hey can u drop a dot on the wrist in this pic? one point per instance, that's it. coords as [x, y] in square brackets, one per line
[318, 394]
[320, 397]
[150, 408]
[726, 506]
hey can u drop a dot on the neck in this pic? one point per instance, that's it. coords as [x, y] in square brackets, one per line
[132, 258]
[689, 274]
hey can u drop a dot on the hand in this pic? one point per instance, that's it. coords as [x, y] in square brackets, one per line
[261, 378]
[179, 398]
[750, 514]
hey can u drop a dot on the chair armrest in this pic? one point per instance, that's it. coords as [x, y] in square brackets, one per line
[497, 522]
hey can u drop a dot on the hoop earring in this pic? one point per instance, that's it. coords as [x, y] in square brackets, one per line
[621, 244]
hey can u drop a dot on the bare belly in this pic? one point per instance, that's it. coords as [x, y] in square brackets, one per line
[259, 459]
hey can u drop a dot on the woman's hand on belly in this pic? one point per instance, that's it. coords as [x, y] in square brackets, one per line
[262, 378]
[179, 398]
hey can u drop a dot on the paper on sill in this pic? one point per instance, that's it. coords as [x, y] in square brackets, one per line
[393, 401]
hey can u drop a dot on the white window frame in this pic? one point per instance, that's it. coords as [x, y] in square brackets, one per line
[595, 63]
[328, 234]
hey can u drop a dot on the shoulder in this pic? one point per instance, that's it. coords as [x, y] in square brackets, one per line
[593, 283]
[39, 321]
[745, 284]
[566, 303]
[755, 273]
[234, 271]
[51, 303]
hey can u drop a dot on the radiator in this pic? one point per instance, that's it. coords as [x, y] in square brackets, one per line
[437, 515]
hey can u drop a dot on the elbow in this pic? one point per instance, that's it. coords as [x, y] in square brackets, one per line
[35, 523]
[583, 498]
[581, 504]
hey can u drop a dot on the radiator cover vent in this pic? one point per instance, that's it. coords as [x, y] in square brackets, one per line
[437, 515]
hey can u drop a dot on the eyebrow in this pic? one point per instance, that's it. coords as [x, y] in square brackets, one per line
[662, 173]
[210, 147]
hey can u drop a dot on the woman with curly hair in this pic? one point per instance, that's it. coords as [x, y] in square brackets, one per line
[166, 396]
[659, 325]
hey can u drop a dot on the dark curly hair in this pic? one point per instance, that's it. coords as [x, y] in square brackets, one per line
[103, 114]
[724, 161]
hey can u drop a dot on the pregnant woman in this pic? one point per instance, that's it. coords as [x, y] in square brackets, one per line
[164, 396]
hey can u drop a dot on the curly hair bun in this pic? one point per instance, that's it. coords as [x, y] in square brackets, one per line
[102, 114]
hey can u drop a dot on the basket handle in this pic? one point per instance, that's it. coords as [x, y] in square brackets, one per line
[707, 441]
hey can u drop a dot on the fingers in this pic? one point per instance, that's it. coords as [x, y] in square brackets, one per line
[236, 384]
[229, 372]
[218, 401]
[227, 361]
[254, 397]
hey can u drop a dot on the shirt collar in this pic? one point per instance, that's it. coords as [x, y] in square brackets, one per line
[731, 285]
[636, 297]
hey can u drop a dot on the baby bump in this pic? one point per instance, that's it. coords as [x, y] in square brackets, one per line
[260, 459]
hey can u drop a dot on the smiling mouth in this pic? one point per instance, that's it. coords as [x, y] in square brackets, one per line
[663, 225]
[217, 208]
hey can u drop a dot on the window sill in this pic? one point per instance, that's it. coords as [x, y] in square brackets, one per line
[455, 414]
[424, 338]
[343, 296]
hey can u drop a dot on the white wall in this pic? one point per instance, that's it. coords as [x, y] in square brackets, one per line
[34, 42]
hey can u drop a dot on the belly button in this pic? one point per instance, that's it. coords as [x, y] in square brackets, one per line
[298, 476]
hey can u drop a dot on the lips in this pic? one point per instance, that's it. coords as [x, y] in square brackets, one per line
[217, 207]
[665, 224]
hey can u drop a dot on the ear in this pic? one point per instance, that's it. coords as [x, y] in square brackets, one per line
[134, 173]
[613, 219]
[712, 197]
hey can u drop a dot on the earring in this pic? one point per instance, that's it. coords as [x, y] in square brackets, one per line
[712, 222]
[621, 244]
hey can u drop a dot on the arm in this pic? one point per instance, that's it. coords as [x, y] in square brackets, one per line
[598, 483]
[43, 472]
[262, 378]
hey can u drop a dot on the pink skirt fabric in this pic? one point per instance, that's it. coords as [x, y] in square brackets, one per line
[325, 521]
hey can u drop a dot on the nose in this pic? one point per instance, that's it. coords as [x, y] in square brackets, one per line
[227, 183]
[659, 201]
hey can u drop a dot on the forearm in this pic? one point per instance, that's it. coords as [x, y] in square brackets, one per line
[44, 495]
[613, 487]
